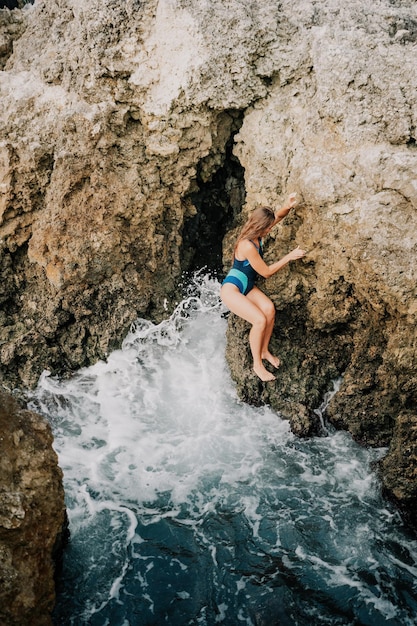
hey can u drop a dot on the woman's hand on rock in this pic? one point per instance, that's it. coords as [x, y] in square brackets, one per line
[297, 253]
[292, 200]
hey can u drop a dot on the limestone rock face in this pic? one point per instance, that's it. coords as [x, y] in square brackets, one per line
[99, 148]
[343, 136]
[114, 113]
[32, 516]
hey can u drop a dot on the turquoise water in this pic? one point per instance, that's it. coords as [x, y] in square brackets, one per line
[189, 507]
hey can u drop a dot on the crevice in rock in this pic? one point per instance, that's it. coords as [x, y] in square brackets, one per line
[14, 4]
[218, 201]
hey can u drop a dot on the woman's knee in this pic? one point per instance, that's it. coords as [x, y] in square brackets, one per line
[269, 311]
[260, 322]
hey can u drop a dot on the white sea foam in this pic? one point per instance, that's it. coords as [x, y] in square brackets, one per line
[157, 449]
[160, 415]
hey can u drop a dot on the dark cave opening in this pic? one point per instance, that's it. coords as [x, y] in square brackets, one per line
[218, 202]
[14, 4]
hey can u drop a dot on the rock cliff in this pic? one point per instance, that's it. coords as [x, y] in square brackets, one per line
[117, 115]
[32, 516]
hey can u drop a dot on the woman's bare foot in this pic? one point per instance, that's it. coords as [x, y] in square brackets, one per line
[273, 360]
[263, 373]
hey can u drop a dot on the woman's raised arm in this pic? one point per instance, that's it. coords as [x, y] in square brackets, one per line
[283, 211]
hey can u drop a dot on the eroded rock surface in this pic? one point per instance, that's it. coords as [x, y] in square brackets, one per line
[114, 112]
[344, 138]
[32, 516]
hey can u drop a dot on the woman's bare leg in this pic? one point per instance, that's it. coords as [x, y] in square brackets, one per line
[268, 309]
[246, 309]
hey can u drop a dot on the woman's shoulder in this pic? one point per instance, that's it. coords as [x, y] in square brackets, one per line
[245, 247]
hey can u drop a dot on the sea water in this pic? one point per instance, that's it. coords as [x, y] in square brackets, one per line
[189, 507]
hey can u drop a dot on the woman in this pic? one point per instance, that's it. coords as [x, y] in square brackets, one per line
[242, 297]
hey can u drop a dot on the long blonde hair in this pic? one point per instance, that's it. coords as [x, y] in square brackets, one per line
[257, 224]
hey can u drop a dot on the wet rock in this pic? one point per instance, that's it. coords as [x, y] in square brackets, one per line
[399, 468]
[32, 516]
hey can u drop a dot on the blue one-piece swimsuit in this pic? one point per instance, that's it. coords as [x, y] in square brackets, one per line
[242, 273]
